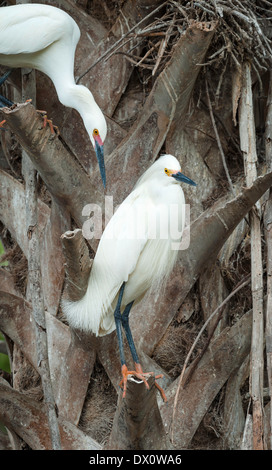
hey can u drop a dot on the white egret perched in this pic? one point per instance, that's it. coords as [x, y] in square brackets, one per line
[135, 252]
[44, 37]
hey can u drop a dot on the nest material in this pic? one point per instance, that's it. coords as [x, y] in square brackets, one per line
[243, 31]
[99, 407]
[172, 350]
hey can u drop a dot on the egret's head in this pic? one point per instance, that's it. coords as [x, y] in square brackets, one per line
[166, 170]
[94, 120]
[171, 168]
[96, 126]
[97, 138]
[178, 176]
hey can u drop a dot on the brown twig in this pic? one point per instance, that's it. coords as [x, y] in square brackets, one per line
[145, 66]
[117, 43]
[145, 56]
[147, 34]
[163, 45]
[218, 139]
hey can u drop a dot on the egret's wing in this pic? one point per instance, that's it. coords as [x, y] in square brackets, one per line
[124, 238]
[32, 29]
[118, 252]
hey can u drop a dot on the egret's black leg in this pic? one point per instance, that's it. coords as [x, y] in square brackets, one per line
[138, 368]
[4, 101]
[118, 323]
[122, 319]
[125, 323]
[4, 77]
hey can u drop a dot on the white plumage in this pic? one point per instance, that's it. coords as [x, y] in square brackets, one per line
[45, 38]
[135, 248]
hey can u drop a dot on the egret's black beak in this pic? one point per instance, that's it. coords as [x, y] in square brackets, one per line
[99, 150]
[180, 177]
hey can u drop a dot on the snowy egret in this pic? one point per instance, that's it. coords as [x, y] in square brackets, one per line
[134, 254]
[44, 37]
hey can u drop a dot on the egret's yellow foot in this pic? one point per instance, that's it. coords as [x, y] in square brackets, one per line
[160, 389]
[160, 376]
[54, 129]
[2, 122]
[138, 372]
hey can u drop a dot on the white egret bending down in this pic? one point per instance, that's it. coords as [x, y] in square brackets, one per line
[44, 37]
[135, 252]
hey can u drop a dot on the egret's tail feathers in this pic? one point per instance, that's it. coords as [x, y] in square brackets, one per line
[94, 312]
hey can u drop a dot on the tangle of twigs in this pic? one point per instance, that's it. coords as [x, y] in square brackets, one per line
[243, 32]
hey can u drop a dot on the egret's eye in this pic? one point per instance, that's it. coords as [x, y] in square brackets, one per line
[166, 171]
[95, 132]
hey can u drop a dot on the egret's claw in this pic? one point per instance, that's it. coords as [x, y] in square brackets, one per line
[160, 389]
[54, 129]
[138, 372]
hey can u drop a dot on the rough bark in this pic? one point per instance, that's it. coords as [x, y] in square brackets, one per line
[248, 147]
[12, 210]
[234, 417]
[225, 354]
[74, 380]
[28, 420]
[268, 234]
[78, 264]
[51, 224]
[137, 423]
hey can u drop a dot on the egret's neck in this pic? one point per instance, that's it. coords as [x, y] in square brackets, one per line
[77, 97]
[81, 99]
